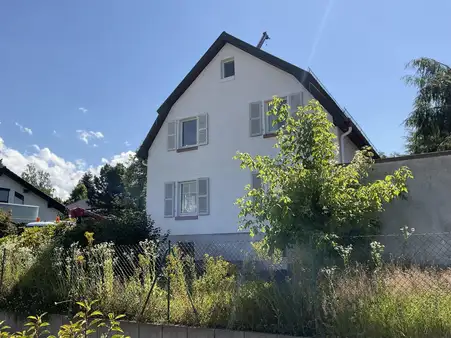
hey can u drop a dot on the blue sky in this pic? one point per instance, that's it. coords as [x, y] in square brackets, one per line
[119, 60]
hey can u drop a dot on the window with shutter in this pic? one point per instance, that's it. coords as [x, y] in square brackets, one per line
[256, 181]
[203, 196]
[255, 118]
[169, 200]
[202, 129]
[295, 101]
[272, 127]
[172, 135]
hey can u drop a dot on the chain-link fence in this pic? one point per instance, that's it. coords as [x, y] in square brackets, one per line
[367, 283]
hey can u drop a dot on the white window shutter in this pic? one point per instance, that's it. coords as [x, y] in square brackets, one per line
[255, 118]
[172, 135]
[203, 189]
[169, 199]
[296, 101]
[202, 129]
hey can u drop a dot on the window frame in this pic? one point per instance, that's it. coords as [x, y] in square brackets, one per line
[223, 62]
[19, 196]
[266, 109]
[180, 140]
[179, 198]
[7, 196]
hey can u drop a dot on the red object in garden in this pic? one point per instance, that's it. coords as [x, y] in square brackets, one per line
[79, 212]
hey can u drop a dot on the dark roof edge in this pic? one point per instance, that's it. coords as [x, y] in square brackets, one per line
[304, 77]
[52, 203]
[414, 156]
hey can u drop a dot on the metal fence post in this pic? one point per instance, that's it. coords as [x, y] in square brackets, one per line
[169, 285]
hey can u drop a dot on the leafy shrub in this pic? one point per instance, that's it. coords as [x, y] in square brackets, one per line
[7, 227]
[130, 227]
[86, 322]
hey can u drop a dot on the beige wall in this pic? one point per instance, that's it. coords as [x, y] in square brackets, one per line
[427, 207]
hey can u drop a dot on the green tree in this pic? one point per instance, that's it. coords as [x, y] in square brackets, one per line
[135, 181]
[78, 193]
[304, 189]
[109, 195]
[429, 124]
[39, 178]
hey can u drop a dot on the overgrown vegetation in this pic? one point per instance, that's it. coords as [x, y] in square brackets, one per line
[371, 300]
[306, 191]
[85, 323]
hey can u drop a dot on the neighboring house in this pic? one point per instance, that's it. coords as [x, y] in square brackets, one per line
[25, 201]
[83, 204]
[218, 109]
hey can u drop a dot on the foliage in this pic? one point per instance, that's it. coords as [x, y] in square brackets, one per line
[109, 193]
[39, 178]
[86, 322]
[304, 189]
[429, 124]
[117, 187]
[7, 227]
[80, 192]
[135, 181]
[128, 227]
[390, 301]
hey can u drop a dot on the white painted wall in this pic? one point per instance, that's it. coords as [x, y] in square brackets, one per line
[30, 198]
[227, 104]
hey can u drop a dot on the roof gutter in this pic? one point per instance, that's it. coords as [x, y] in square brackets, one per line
[342, 144]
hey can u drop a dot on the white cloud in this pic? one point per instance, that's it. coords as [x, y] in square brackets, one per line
[83, 110]
[35, 146]
[94, 145]
[63, 174]
[127, 144]
[123, 157]
[87, 135]
[80, 163]
[24, 129]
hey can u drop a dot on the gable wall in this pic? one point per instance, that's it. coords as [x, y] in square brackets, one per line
[227, 105]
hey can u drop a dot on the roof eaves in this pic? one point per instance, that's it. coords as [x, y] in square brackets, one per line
[51, 201]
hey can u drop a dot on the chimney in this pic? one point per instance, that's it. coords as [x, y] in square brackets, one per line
[265, 37]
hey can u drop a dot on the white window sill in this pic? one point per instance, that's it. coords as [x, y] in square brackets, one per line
[230, 78]
[186, 217]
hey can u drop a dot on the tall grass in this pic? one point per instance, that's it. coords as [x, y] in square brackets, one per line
[355, 301]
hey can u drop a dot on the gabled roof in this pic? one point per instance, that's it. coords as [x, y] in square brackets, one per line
[309, 81]
[52, 203]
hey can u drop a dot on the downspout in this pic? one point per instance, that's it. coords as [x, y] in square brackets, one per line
[342, 144]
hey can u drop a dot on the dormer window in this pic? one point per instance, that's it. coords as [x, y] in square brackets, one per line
[228, 68]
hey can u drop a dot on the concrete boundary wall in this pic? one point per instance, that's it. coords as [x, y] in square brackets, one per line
[141, 330]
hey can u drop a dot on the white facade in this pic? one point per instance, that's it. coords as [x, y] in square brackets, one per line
[226, 101]
[30, 198]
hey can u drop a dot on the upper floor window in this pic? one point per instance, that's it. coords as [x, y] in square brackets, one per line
[262, 123]
[18, 198]
[227, 68]
[4, 195]
[188, 133]
[272, 127]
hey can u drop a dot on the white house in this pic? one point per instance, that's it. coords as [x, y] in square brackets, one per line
[25, 201]
[217, 109]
